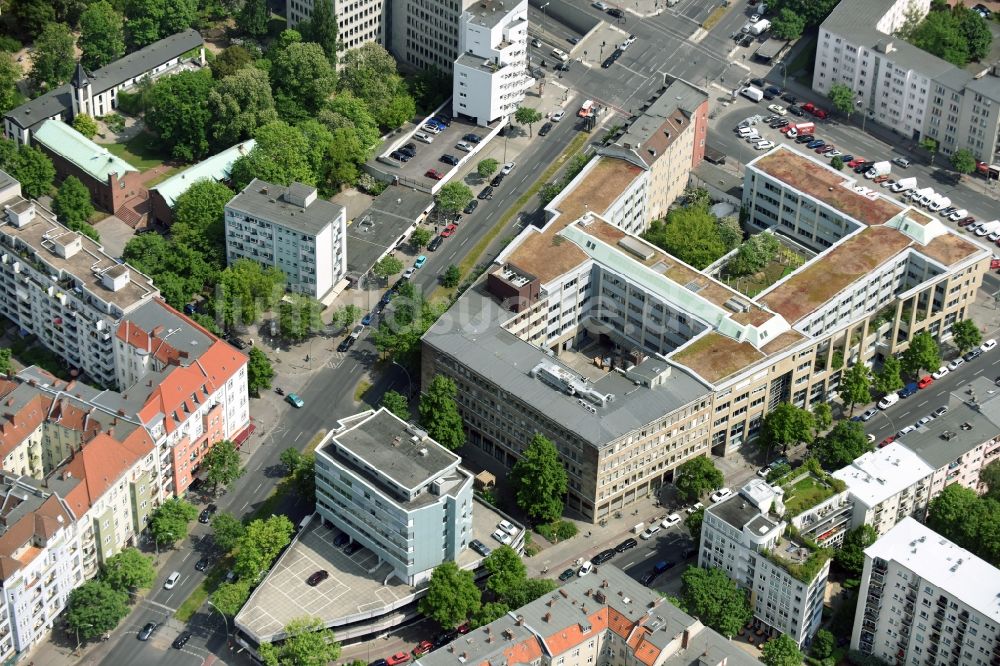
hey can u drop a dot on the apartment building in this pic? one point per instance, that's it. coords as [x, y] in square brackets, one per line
[164, 195]
[61, 286]
[667, 137]
[924, 600]
[40, 563]
[491, 77]
[291, 229]
[96, 94]
[747, 536]
[902, 87]
[607, 619]
[396, 491]
[358, 21]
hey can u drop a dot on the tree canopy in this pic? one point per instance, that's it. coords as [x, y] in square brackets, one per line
[307, 643]
[369, 73]
[72, 203]
[299, 316]
[965, 334]
[52, 61]
[151, 20]
[787, 24]
[95, 608]
[396, 403]
[781, 651]
[713, 598]
[280, 156]
[539, 480]
[691, 233]
[452, 596]
[199, 220]
[222, 464]
[963, 161]
[169, 522]
[972, 522]
[102, 35]
[841, 445]
[240, 103]
[855, 386]
[302, 80]
[787, 424]
[889, 378]
[321, 28]
[525, 115]
[851, 555]
[261, 543]
[453, 197]
[439, 413]
[957, 35]
[177, 112]
[841, 98]
[922, 354]
[227, 531]
[697, 477]
[128, 570]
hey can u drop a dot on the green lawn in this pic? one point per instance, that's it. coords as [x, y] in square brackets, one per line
[141, 151]
[162, 177]
[807, 493]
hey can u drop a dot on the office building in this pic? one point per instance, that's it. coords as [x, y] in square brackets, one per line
[746, 536]
[395, 491]
[358, 23]
[61, 286]
[924, 600]
[96, 94]
[606, 619]
[491, 74]
[164, 194]
[902, 87]
[291, 229]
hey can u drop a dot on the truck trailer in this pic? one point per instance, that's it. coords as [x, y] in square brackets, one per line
[760, 27]
[878, 169]
[752, 93]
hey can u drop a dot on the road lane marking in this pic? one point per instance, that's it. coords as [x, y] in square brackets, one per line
[978, 372]
[244, 506]
[259, 485]
[297, 437]
[921, 404]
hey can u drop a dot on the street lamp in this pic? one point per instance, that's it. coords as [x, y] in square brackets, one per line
[85, 624]
[784, 74]
[543, 10]
[224, 619]
[156, 544]
[859, 103]
[409, 383]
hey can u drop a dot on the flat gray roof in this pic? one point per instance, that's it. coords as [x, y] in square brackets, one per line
[267, 201]
[737, 512]
[679, 95]
[382, 225]
[490, 13]
[385, 443]
[471, 333]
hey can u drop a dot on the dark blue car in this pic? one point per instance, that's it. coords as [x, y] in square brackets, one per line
[908, 390]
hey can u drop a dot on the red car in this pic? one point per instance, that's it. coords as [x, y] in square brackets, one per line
[966, 221]
[925, 381]
[449, 230]
[423, 648]
[809, 107]
[819, 113]
[855, 162]
[887, 441]
[463, 628]
[435, 174]
[398, 658]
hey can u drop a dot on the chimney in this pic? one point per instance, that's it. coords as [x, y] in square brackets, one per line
[520, 620]
[547, 617]
[685, 639]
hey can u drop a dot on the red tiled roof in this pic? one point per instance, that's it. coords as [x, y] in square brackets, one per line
[150, 341]
[567, 637]
[100, 464]
[15, 426]
[41, 524]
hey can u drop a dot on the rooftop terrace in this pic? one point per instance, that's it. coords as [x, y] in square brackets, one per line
[715, 356]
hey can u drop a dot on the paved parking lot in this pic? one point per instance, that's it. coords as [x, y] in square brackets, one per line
[429, 155]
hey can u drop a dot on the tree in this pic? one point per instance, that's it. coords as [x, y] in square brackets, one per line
[453, 197]
[6, 367]
[227, 531]
[975, 31]
[452, 596]
[487, 613]
[855, 386]
[177, 111]
[33, 15]
[85, 125]
[52, 61]
[781, 651]
[240, 103]
[102, 35]
[346, 316]
[888, 379]
[301, 470]
[10, 74]
[988, 476]
[930, 145]
[837, 163]
[169, 522]
[823, 415]
[487, 167]
[451, 276]
[963, 161]
[922, 354]
[222, 464]
[787, 424]
[345, 154]
[507, 573]
[823, 644]
[696, 477]
[230, 597]
[280, 156]
[439, 413]
[347, 111]
[420, 238]
[966, 335]
[851, 555]
[150, 20]
[713, 598]
[525, 115]
[369, 73]
[259, 372]
[252, 18]
[397, 404]
[261, 543]
[788, 25]
[33, 169]
[954, 514]
[299, 316]
[940, 34]
[231, 60]
[387, 266]
[842, 98]
[841, 445]
[95, 608]
[693, 523]
[753, 254]
[321, 28]
[198, 220]
[689, 233]
[72, 203]
[128, 570]
[539, 480]
[307, 643]
[302, 79]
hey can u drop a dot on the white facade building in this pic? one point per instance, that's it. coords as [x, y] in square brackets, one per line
[491, 72]
[924, 600]
[291, 229]
[887, 485]
[396, 491]
[358, 22]
[736, 536]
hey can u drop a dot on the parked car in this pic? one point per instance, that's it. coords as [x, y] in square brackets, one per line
[502, 537]
[507, 168]
[627, 544]
[868, 414]
[694, 508]
[472, 138]
[585, 569]
[567, 575]
[557, 116]
[973, 355]
[398, 658]
[464, 146]
[203, 563]
[486, 193]
[908, 390]
[670, 521]
[181, 640]
[545, 129]
[988, 345]
[479, 547]
[147, 631]
[603, 556]
[940, 411]
[925, 381]
[955, 363]
[422, 648]
[497, 179]
[449, 231]
[649, 532]
[435, 244]
[206, 515]
[317, 578]
[941, 372]
[901, 162]
[721, 494]
[434, 173]
[448, 158]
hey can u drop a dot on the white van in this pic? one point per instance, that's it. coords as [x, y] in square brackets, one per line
[888, 401]
[561, 55]
[172, 580]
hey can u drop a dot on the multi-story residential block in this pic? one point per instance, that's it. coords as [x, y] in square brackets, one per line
[40, 563]
[607, 619]
[903, 87]
[96, 94]
[62, 287]
[668, 139]
[164, 195]
[110, 180]
[924, 600]
[358, 23]
[291, 229]
[491, 73]
[396, 491]
[747, 536]
[573, 312]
